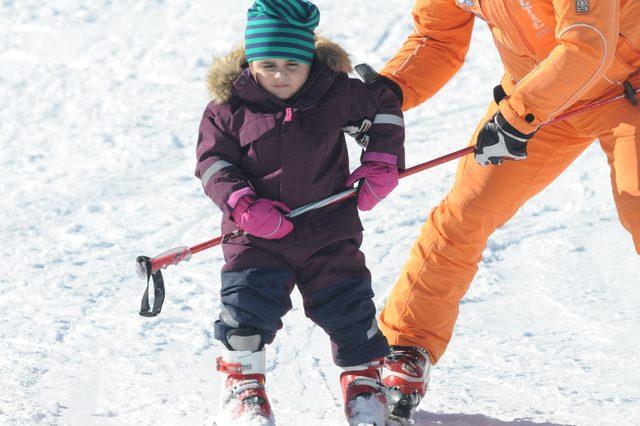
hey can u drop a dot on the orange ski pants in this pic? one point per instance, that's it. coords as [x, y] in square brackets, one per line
[423, 306]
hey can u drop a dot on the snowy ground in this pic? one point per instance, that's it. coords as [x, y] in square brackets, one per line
[98, 120]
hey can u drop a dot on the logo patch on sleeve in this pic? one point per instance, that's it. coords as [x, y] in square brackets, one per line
[582, 6]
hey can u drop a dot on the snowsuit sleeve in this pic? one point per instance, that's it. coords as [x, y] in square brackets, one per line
[433, 53]
[586, 49]
[218, 154]
[377, 103]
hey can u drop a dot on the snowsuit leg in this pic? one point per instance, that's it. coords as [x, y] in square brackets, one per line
[336, 288]
[621, 144]
[423, 306]
[255, 293]
[324, 259]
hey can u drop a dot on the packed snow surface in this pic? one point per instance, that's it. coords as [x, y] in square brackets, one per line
[100, 105]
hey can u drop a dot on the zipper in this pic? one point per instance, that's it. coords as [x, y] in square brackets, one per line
[517, 27]
[280, 125]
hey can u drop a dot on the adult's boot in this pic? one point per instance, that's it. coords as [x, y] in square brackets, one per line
[406, 375]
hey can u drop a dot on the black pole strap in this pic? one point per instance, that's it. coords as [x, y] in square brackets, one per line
[143, 265]
[499, 94]
[630, 93]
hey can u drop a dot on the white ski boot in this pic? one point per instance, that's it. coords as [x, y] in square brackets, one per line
[243, 399]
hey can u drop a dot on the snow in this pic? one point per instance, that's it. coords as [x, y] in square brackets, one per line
[231, 412]
[367, 411]
[98, 121]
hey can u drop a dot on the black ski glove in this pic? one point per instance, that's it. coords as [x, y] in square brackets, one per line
[498, 141]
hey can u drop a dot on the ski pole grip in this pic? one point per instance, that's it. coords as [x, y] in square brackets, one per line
[170, 257]
[366, 72]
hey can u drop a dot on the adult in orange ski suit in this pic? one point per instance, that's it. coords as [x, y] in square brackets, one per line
[557, 54]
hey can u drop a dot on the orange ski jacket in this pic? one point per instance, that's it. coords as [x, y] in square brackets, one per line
[555, 52]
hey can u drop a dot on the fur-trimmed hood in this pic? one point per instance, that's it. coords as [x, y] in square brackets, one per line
[225, 70]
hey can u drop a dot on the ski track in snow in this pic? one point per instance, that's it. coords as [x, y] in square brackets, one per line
[98, 122]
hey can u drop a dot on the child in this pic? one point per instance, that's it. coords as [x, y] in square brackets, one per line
[271, 141]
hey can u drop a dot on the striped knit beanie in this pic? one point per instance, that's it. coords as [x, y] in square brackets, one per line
[281, 29]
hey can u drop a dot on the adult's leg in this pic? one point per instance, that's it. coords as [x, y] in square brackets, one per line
[423, 306]
[622, 145]
[336, 288]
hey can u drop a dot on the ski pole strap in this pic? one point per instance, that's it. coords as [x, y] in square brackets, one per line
[231, 235]
[366, 71]
[499, 94]
[630, 93]
[154, 298]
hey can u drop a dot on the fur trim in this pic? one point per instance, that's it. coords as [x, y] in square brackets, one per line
[223, 73]
[226, 69]
[333, 55]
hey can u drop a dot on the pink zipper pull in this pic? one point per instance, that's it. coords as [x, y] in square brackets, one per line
[288, 115]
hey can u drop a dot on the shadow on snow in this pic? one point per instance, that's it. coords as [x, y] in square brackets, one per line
[423, 418]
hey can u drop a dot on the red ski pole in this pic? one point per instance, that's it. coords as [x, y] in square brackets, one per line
[149, 268]
[179, 254]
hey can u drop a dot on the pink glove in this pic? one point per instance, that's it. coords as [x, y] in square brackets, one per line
[379, 179]
[262, 217]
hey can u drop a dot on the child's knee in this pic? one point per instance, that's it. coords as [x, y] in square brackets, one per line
[338, 305]
[255, 298]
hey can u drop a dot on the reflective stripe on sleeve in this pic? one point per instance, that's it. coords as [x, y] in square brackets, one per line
[396, 120]
[218, 165]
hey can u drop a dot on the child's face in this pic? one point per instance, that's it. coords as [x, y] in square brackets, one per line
[280, 77]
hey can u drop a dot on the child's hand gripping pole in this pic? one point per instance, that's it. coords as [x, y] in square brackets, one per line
[149, 268]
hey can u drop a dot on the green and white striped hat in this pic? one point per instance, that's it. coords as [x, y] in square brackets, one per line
[281, 29]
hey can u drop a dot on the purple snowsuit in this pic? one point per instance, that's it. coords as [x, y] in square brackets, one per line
[295, 152]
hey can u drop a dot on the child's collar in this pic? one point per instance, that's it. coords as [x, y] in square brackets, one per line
[320, 79]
